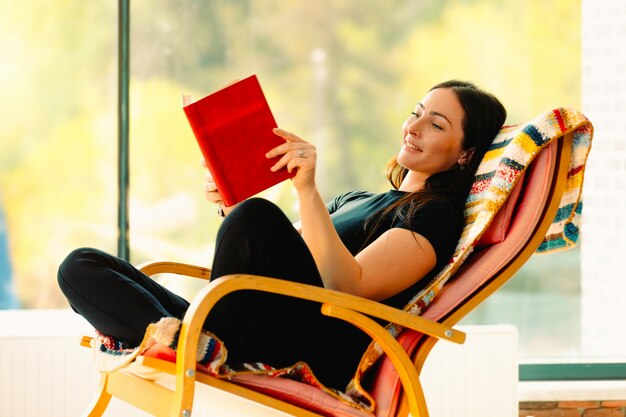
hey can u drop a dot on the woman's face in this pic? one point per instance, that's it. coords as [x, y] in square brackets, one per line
[432, 135]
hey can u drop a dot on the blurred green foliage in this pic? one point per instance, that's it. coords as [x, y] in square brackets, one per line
[342, 74]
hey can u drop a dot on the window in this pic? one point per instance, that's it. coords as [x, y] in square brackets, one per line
[339, 74]
[58, 144]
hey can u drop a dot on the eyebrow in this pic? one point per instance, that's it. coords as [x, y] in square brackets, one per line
[436, 113]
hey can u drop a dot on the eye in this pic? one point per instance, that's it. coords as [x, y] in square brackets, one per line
[436, 126]
[414, 115]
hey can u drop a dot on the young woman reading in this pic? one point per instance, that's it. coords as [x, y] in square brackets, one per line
[384, 247]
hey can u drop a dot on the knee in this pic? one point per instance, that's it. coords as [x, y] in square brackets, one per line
[257, 205]
[253, 217]
[258, 210]
[75, 266]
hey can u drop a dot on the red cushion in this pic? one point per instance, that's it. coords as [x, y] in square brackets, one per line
[299, 394]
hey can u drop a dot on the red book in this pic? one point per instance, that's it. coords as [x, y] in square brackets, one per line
[233, 127]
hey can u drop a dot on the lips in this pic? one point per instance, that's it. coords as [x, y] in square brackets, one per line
[411, 145]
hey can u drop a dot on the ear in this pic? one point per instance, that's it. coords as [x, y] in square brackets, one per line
[466, 156]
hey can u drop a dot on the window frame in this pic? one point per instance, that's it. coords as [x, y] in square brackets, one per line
[123, 127]
[572, 371]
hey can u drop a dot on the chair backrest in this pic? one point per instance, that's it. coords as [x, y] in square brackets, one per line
[488, 268]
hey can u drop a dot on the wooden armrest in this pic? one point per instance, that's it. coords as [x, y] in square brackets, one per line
[162, 267]
[227, 284]
[313, 293]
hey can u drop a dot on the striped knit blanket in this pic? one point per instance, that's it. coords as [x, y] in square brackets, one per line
[510, 153]
[513, 149]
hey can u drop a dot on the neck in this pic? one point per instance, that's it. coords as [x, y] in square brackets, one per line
[412, 182]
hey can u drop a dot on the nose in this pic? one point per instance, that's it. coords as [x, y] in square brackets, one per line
[414, 126]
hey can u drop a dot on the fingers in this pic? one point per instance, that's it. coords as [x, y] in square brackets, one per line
[293, 153]
[213, 197]
[295, 145]
[284, 160]
[210, 190]
[209, 183]
[298, 157]
[288, 136]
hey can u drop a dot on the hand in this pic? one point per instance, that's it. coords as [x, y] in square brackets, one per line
[211, 192]
[296, 154]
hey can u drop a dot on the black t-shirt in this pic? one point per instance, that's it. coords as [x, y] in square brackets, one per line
[440, 222]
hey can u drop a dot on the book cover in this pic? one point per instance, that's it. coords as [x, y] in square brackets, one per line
[233, 127]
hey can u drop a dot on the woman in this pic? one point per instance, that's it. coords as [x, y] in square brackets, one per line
[383, 247]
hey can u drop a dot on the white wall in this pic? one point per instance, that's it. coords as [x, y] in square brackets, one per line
[603, 244]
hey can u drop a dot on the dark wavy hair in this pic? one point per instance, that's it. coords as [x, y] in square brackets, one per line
[484, 116]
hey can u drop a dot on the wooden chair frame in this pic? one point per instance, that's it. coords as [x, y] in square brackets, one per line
[161, 401]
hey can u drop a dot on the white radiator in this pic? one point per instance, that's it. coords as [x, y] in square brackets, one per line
[477, 378]
[45, 373]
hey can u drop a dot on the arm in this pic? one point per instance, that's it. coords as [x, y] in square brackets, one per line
[388, 265]
[393, 262]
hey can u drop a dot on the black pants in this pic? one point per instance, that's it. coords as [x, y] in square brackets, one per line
[255, 238]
